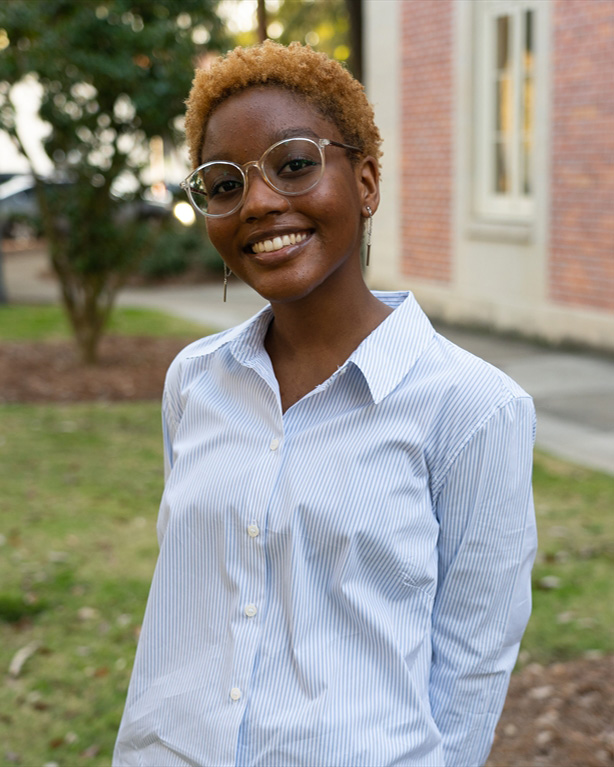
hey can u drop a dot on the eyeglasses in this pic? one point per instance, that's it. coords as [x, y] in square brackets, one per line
[291, 167]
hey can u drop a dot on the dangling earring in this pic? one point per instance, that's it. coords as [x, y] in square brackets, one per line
[227, 274]
[369, 229]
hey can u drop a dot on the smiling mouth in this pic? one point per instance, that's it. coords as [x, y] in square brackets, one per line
[277, 243]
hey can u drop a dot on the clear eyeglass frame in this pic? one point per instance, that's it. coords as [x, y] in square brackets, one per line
[188, 184]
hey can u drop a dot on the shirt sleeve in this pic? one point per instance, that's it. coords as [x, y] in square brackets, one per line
[171, 414]
[487, 544]
[168, 433]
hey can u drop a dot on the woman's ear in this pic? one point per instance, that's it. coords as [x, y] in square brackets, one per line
[368, 178]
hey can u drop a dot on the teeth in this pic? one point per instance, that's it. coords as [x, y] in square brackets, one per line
[267, 246]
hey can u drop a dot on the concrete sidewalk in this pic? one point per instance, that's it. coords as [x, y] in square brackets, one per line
[573, 392]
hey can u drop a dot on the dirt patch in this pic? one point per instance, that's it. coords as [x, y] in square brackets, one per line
[558, 716]
[555, 716]
[130, 368]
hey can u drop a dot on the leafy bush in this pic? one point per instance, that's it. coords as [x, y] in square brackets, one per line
[178, 249]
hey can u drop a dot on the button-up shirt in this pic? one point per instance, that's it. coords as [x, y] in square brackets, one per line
[345, 583]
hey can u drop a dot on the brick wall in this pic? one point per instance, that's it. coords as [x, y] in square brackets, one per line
[581, 260]
[426, 138]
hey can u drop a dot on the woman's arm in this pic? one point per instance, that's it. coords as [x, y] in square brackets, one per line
[486, 548]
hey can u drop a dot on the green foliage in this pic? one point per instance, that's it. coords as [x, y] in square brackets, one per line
[325, 25]
[178, 249]
[13, 607]
[49, 323]
[112, 74]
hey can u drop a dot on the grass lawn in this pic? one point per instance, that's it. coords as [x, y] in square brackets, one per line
[80, 489]
[49, 323]
[573, 595]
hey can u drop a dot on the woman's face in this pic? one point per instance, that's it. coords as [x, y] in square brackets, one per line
[327, 219]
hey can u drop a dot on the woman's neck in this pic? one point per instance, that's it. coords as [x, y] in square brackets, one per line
[310, 338]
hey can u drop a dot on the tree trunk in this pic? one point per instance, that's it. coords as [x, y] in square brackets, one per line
[88, 301]
[88, 340]
[3, 296]
[262, 34]
[354, 8]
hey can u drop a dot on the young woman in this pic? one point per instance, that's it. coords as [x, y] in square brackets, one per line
[346, 532]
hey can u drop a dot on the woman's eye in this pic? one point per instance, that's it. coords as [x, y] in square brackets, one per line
[297, 164]
[225, 187]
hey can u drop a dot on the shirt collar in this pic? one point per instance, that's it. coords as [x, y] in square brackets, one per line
[384, 357]
[390, 351]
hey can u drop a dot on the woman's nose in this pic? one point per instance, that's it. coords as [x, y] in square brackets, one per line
[260, 199]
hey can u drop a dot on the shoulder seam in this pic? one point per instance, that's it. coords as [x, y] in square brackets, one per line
[463, 445]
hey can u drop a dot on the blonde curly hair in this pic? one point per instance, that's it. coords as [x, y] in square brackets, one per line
[298, 68]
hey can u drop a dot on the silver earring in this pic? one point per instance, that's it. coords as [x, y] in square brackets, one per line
[227, 274]
[369, 230]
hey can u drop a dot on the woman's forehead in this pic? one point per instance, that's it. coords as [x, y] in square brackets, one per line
[257, 117]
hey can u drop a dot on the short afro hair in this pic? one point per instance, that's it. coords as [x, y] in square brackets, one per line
[298, 68]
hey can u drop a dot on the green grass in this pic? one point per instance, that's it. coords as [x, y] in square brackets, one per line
[576, 548]
[49, 323]
[80, 490]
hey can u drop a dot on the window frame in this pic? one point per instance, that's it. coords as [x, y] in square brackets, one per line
[514, 206]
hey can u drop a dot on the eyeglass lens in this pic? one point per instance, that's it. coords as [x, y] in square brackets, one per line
[291, 167]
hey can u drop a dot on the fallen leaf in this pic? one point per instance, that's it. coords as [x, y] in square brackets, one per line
[87, 613]
[541, 693]
[56, 742]
[21, 656]
[549, 582]
[586, 623]
[90, 752]
[57, 556]
[543, 737]
[100, 672]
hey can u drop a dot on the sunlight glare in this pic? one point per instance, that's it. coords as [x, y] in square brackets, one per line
[238, 15]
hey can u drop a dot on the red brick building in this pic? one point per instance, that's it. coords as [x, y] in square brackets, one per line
[498, 173]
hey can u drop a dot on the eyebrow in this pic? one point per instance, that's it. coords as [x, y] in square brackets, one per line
[279, 136]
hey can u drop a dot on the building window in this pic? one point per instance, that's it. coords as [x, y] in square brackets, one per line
[505, 107]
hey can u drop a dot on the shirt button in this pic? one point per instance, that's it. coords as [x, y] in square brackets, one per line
[251, 610]
[253, 531]
[235, 693]
[274, 443]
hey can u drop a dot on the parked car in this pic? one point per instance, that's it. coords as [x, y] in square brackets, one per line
[18, 207]
[20, 217]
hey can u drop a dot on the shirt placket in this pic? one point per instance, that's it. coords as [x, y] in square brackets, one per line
[247, 624]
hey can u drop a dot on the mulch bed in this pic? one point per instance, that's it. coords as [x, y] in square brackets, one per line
[130, 368]
[558, 716]
[555, 716]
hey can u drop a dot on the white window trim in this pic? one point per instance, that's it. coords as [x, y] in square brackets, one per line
[491, 208]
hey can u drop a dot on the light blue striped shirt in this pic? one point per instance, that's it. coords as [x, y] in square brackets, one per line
[345, 583]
